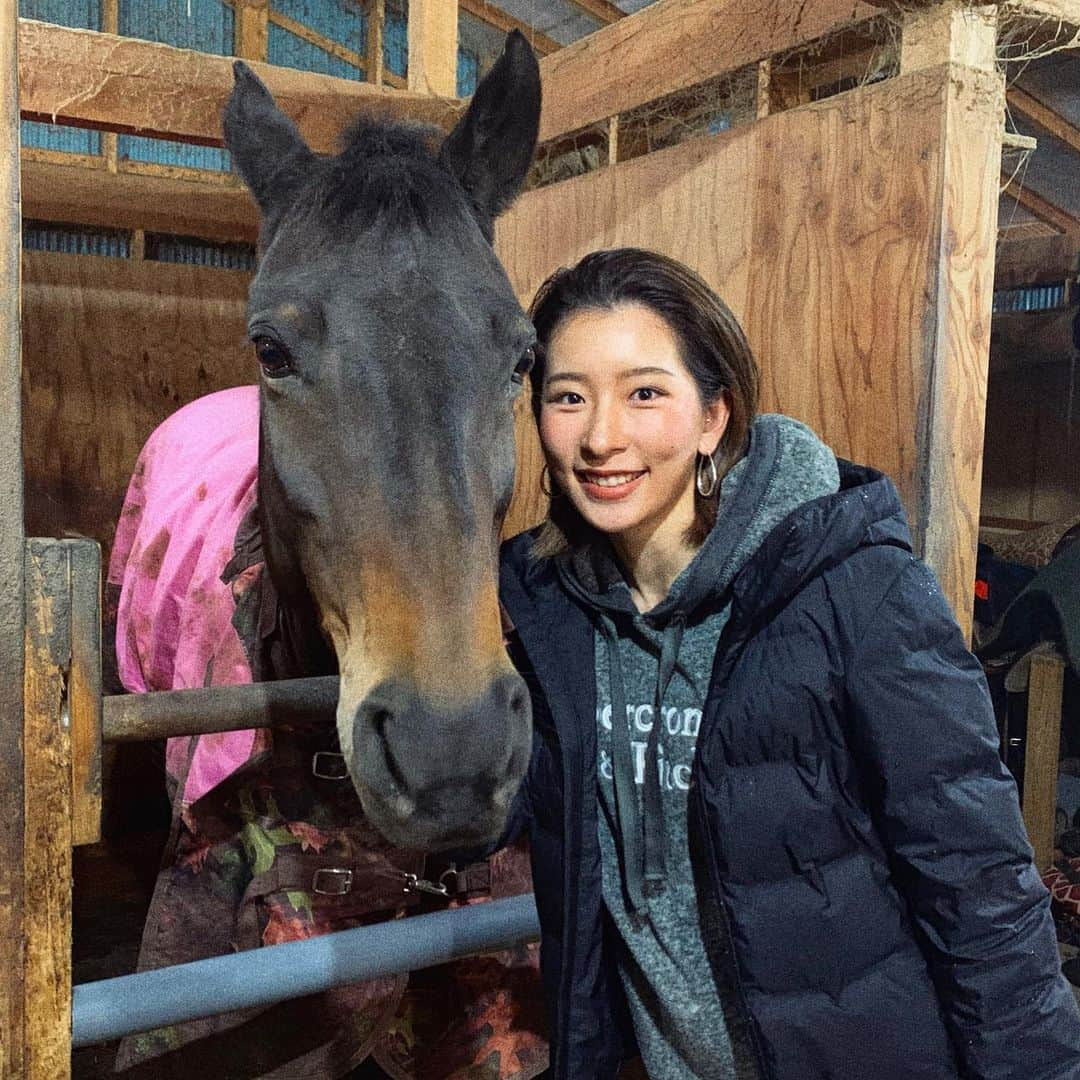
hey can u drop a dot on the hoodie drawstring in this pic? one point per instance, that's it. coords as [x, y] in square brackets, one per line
[643, 833]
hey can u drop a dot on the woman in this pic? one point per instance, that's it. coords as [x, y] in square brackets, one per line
[771, 833]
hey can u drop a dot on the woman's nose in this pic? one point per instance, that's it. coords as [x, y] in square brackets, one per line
[603, 434]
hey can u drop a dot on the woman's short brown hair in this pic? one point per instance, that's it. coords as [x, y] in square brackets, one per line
[712, 345]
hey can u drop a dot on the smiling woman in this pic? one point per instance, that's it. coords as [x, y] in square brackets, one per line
[753, 711]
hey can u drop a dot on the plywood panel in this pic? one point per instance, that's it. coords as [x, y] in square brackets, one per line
[1032, 454]
[841, 240]
[112, 347]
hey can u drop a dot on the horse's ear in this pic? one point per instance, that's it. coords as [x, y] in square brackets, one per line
[491, 147]
[269, 152]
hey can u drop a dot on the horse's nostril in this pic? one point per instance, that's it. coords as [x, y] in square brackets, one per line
[379, 719]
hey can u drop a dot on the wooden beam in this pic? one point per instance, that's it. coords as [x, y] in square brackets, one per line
[1036, 262]
[121, 84]
[493, 16]
[433, 46]
[71, 193]
[1066, 12]
[1020, 101]
[674, 44]
[952, 32]
[1041, 207]
[12, 846]
[601, 10]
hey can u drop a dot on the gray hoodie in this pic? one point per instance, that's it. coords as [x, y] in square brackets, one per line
[659, 664]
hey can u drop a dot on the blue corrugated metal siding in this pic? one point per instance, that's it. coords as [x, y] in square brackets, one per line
[468, 73]
[288, 50]
[1030, 298]
[205, 25]
[396, 43]
[83, 15]
[168, 152]
[76, 239]
[195, 252]
[57, 137]
[337, 20]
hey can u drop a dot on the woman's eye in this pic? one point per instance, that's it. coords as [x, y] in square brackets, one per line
[567, 397]
[274, 358]
[645, 393]
[524, 366]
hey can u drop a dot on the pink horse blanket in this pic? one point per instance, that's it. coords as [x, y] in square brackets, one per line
[253, 826]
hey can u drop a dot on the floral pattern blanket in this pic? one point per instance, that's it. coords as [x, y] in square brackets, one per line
[268, 842]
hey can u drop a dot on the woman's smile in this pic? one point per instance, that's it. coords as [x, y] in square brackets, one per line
[609, 486]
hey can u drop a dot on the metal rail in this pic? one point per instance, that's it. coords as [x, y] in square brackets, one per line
[112, 1008]
[136, 717]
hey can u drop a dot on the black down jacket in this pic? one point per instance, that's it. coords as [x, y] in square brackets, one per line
[865, 884]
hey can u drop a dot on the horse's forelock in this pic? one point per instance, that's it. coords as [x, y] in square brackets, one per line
[388, 176]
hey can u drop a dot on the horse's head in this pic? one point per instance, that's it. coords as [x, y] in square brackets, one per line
[391, 346]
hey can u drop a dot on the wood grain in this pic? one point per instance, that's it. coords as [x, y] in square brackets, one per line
[84, 690]
[122, 84]
[839, 235]
[47, 813]
[55, 191]
[12, 882]
[1041, 755]
[433, 37]
[674, 44]
[960, 287]
[113, 347]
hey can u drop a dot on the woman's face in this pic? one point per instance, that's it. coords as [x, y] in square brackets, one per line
[622, 423]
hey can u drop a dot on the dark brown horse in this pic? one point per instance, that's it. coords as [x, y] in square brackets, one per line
[391, 347]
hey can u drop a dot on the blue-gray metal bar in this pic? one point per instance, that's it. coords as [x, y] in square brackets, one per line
[112, 1008]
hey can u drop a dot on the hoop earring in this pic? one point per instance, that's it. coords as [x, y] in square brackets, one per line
[548, 488]
[706, 475]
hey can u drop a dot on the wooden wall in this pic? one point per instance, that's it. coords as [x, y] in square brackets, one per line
[1031, 469]
[854, 239]
[110, 348]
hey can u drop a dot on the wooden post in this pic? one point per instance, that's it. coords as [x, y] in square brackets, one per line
[957, 340]
[613, 140]
[433, 47]
[953, 32]
[250, 34]
[47, 811]
[84, 690]
[12, 881]
[110, 144]
[1045, 684]
[375, 26]
[764, 88]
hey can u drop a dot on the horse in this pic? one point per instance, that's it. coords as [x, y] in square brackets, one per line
[343, 517]
[391, 346]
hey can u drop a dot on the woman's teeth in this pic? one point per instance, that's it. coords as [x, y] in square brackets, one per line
[612, 481]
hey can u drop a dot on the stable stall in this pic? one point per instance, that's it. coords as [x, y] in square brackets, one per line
[831, 168]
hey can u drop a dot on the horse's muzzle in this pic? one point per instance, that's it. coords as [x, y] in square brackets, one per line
[434, 777]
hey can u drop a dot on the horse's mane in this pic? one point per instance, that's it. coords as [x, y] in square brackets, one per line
[386, 175]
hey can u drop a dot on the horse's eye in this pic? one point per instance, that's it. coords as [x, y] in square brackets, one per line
[524, 365]
[274, 358]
